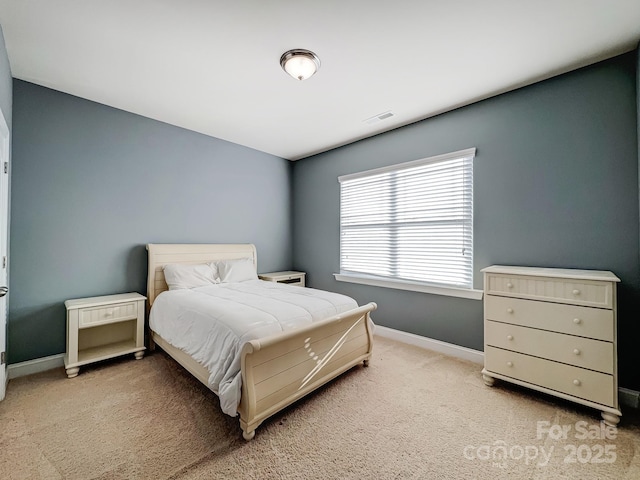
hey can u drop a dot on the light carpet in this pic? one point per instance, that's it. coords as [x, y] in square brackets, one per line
[412, 413]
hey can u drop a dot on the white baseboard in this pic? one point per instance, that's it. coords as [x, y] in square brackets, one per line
[627, 397]
[35, 366]
[431, 344]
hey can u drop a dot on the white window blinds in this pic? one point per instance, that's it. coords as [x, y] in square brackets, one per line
[410, 222]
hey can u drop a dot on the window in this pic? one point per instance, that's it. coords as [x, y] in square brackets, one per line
[410, 223]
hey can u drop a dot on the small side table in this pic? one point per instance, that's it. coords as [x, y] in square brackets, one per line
[103, 327]
[290, 277]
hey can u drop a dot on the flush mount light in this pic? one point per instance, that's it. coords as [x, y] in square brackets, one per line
[299, 63]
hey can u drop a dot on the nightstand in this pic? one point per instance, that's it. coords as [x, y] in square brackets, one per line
[103, 327]
[288, 276]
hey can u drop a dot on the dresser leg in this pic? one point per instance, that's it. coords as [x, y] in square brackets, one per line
[610, 419]
[73, 372]
[489, 381]
[139, 354]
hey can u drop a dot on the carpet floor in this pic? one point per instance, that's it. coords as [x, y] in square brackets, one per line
[413, 413]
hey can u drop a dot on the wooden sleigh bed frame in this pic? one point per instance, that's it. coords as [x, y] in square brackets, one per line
[279, 369]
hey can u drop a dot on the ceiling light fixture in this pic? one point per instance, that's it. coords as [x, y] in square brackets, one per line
[299, 63]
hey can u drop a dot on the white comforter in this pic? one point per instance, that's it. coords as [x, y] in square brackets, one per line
[212, 323]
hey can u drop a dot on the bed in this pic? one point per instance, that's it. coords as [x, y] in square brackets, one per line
[276, 369]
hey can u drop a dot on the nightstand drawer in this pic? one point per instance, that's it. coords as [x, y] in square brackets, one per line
[578, 351]
[90, 317]
[579, 382]
[583, 321]
[577, 292]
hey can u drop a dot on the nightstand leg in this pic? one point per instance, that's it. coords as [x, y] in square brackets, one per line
[73, 372]
[139, 355]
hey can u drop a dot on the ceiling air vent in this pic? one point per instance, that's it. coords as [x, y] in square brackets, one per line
[378, 118]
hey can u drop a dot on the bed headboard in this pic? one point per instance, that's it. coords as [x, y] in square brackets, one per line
[161, 254]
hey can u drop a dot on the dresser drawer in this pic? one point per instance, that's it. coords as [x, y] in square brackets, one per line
[578, 351]
[582, 321]
[577, 292]
[90, 317]
[586, 384]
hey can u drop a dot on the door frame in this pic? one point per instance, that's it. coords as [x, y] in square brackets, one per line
[5, 156]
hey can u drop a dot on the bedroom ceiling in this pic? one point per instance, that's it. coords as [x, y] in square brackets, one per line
[213, 66]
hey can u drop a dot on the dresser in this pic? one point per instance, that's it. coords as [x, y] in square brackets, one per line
[553, 330]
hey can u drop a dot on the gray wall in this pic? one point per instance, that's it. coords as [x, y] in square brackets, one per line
[555, 184]
[92, 185]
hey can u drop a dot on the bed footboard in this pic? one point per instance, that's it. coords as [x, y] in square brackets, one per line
[278, 370]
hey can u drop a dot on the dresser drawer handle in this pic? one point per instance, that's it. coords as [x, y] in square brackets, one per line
[576, 292]
[509, 285]
[509, 310]
[577, 382]
[577, 321]
[576, 351]
[509, 337]
[509, 364]
[108, 313]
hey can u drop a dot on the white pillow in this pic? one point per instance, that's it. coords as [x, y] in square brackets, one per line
[236, 270]
[179, 276]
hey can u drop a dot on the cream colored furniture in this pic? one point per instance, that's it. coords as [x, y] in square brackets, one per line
[279, 369]
[288, 276]
[553, 330]
[103, 327]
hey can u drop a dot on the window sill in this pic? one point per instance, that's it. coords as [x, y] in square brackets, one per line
[413, 287]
